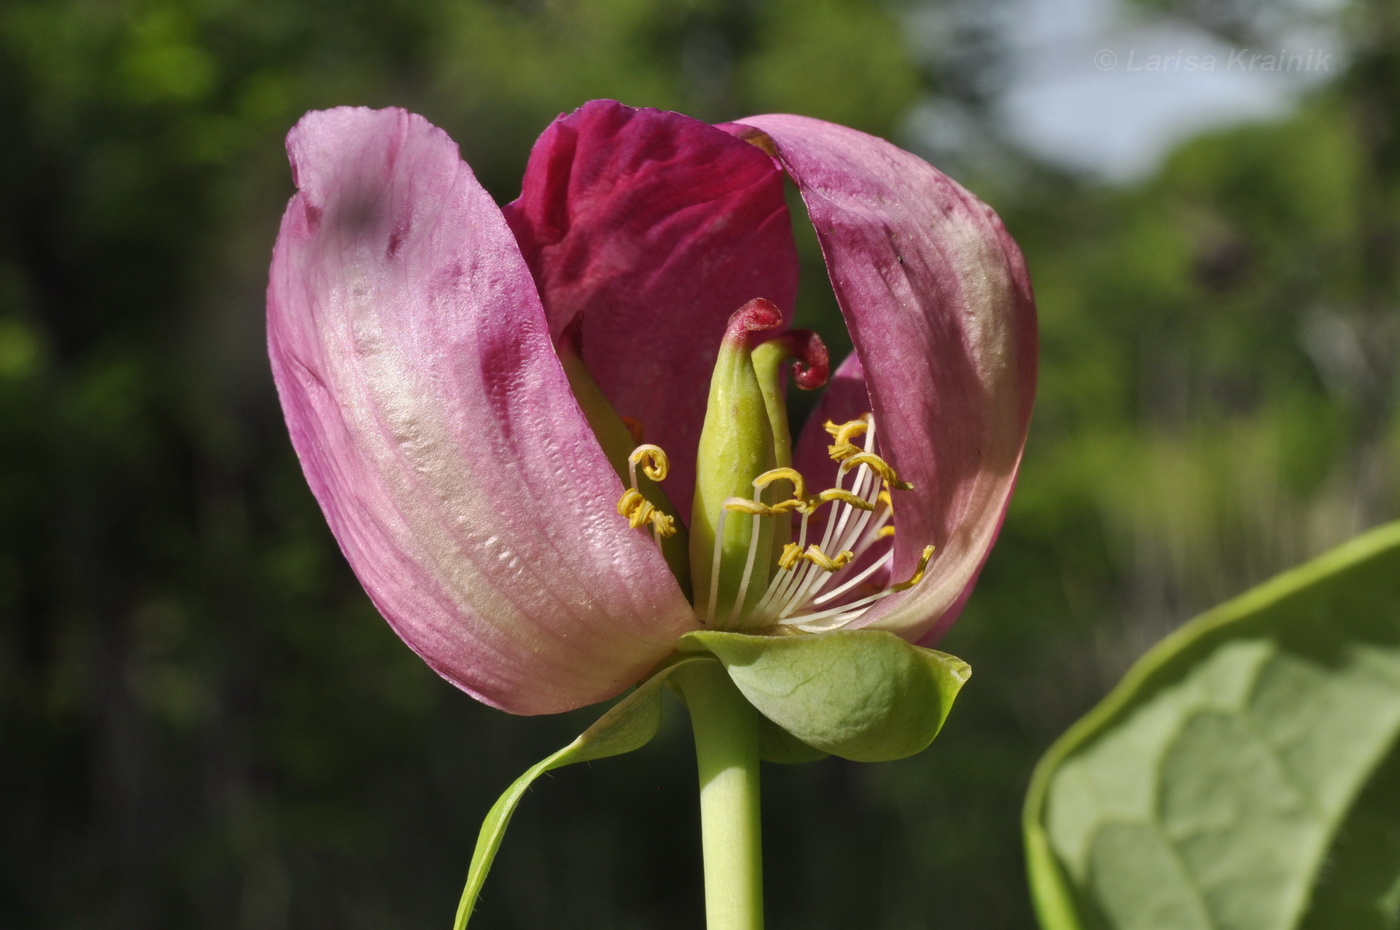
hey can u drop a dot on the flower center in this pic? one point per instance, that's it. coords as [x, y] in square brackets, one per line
[759, 553]
[808, 585]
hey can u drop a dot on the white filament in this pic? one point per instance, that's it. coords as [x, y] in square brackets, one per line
[848, 528]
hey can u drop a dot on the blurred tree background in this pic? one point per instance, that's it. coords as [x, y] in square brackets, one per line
[206, 724]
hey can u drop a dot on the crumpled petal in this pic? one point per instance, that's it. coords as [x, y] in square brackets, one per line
[649, 229]
[939, 306]
[438, 432]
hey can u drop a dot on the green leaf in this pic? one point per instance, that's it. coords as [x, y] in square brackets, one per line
[1243, 775]
[629, 724]
[778, 745]
[864, 695]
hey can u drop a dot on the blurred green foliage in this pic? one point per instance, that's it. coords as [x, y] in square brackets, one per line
[205, 724]
[1243, 772]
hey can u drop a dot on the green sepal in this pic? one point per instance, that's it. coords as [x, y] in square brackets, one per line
[863, 695]
[778, 745]
[1243, 773]
[628, 725]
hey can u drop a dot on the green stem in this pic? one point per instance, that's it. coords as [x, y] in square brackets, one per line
[726, 751]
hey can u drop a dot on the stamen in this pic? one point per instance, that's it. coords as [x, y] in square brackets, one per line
[799, 484]
[655, 464]
[825, 562]
[883, 528]
[785, 596]
[918, 575]
[759, 510]
[861, 517]
[850, 583]
[792, 554]
[808, 578]
[748, 571]
[639, 512]
[883, 468]
[843, 433]
[714, 566]
[744, 505]
[841, 517]
[873, 533]
[845, 497]
[806, 582]
[792, 476]
[630, 504]
[809, 621]
[633, 504]
[781, 584]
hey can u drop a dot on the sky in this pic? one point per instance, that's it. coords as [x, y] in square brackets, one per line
[1109, 91]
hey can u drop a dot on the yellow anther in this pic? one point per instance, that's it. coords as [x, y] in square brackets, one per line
[799, 486]
[845, 497]
[790, 475]
[792, 554]
[918, 575]
[663, 523]
[826, 563]
[634, 428]
[653, 460]
[639, 512]
[879, 466]
[842, 433]
[845, 432]
[885, 532]
[628, 501]
[884, 498]
[636, 508]
[744, 505]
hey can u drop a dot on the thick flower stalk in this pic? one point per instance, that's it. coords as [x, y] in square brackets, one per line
[551, 438]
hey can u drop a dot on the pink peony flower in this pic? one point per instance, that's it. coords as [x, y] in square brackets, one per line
[443, 365]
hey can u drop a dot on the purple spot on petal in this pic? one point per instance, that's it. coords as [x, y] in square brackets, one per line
[396, 239]
[450, 276]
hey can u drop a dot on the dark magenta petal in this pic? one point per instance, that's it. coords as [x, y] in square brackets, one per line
[437, 429]
[938, 303]
[645, 230]
[844, 399]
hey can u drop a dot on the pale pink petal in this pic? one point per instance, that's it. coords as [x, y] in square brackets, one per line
[438, 432]
[939, 306]
[646, 230]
